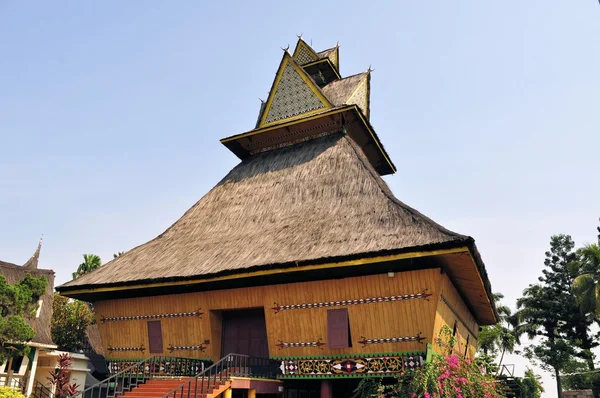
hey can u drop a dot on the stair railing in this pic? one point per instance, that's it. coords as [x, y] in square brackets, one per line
[140, 372]
[122, 381]
[231, 365]
[41, 391]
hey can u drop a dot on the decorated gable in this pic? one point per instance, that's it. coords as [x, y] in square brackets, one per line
[293, 93]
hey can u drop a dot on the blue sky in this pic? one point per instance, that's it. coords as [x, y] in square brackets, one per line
[111, 114]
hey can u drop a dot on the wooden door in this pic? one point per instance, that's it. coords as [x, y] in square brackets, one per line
[245, 332]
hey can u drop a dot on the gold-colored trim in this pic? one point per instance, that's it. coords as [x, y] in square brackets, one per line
[287, 59]
[323, 60]
[375, 138]
[482, 284]
[359, 85]
[349, 263]
[284, 124]
[302, 43]
[290, 122]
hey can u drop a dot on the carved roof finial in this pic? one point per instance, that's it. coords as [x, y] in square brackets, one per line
[370, 69]
[287, 49]
[299, 36]
[32, 263]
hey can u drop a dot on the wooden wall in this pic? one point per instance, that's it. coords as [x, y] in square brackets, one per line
[379, 320]
[450, 309]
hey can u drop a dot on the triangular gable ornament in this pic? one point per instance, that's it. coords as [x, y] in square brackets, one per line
[293, 94]
[304, 54]
[360, 95]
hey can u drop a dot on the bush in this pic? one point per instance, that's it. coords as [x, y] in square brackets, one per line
[7, 392]
[447, 376]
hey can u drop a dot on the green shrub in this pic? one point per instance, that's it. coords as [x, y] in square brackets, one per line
[7, 392]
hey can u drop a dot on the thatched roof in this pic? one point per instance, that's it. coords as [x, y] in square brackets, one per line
[94, 339]
[15, 273]
[338, 92]
[320, 199]
[326, 53]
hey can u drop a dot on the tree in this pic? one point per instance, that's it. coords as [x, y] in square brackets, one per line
[90, 263]
[499, 338]
[531, 386]
[587, 273]
[549, 311]
[70, 320]
[18, 302]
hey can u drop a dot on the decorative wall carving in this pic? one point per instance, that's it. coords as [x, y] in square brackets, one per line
[200, 347]
[196, 313]
[364, 341]
[112, 349]
[283, 344]
[351, 366]
[382, 299]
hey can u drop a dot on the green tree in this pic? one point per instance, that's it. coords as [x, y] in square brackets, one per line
[90, 263]
[531, 386]
[70, 320]
[18, 302]
[497, 339]
[549, 311]
[586, 269]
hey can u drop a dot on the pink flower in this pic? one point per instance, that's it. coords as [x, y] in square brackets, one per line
[427, 395]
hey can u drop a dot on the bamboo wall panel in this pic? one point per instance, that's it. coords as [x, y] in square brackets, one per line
[446, 316]
[401, 318]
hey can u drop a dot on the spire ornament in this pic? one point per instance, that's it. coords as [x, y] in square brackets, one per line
[32, 263]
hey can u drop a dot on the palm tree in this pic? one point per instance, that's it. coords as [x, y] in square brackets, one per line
[501, 337]
[90, 263]
[586, 285]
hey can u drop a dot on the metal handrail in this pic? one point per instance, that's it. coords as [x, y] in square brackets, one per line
[117, 383]
[41, 391]
[231, 365]
[140, 372]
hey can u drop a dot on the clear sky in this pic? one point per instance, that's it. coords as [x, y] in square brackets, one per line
[111, 114]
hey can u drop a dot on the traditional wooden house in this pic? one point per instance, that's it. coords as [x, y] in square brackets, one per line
[23, 371]
[300, 254]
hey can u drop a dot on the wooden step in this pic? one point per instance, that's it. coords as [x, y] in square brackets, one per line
[159, 388]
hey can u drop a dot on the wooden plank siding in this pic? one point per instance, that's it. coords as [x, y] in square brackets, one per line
[377, 320]
[450, 309]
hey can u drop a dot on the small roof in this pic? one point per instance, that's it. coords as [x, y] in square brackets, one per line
[14, 274]
[315, 200]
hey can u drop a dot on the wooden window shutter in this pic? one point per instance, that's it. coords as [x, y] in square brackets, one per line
[338, 328]
[155, 337]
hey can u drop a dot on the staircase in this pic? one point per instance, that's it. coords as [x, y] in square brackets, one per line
[158, 388]
[218, 377]
[149, 378]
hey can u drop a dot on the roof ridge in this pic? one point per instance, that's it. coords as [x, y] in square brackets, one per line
[390, 196]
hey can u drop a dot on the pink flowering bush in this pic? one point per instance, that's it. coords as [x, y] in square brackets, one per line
[448, 375]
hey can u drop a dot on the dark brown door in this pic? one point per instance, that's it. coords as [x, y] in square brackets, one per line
[155, 337]
[245, 332]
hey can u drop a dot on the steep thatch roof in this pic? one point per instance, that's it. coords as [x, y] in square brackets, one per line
[94, 339]
[15, 273]
[339, 91]
[315, 200]
[326, 53]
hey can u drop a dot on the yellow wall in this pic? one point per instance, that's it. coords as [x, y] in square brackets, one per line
[451, 310]
[379, 320]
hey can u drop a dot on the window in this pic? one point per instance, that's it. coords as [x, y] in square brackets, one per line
[155, 337]
[467, 345]
[454, 329]
[338, 329]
